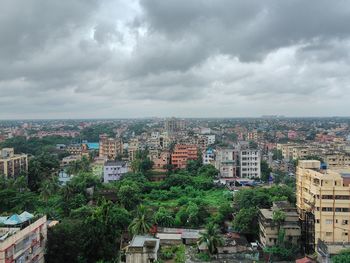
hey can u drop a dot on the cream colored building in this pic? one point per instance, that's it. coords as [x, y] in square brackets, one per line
[110, 148]
[323, 203]
[268, 229]
[11, 164]
[142, 249]
[133, 147]
[337, 160]
[23, 242]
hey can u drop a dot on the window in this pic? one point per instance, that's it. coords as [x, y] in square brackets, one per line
[328, 234]
[317, 221]
[345, 222]
[327, 209]
[329, 221]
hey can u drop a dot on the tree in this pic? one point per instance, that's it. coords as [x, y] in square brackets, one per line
[211, 237]
[265, 171]
[48, 188]
[343, 256]
[245, 221]
[141, 224]
[129, 194]
[164, 218]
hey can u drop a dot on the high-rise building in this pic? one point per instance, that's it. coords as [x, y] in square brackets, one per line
[250, 160]
[11, 164]
[110, 148]
[226, 161]
[183, 153]
[323, 203]
[174, 125]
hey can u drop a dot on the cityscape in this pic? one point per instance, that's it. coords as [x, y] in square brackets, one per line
[174, 131]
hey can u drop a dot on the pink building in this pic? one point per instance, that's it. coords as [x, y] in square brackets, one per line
[292, 135]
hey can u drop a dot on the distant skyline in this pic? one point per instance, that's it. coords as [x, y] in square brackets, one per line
[184, 58]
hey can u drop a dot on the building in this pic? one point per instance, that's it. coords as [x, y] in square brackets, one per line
[268, 229]
[208, 157]
[74, 149]
[337, 160]
[174, 125]
[227, 162]
[142, 249]
[133, 148]
[323, 203]
[113, 171]
[182, 154]
[12, 165]
[110, 148]
[160, 163]
[250, 160]
[22, 238]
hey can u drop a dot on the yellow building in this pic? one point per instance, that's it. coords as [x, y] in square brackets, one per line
[323, 203]
[110, 148]
[337, 160]
[11, 164]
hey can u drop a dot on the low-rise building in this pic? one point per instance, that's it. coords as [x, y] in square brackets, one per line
[208, 157]
[22, 238]
[142, 249]
[114, 170]
[11, 164]
[268, 228]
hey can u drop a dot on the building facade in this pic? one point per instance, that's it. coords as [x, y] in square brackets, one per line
[250, 160]
[113, 171]
[183, 153]
[11, 164]
[22, 241]
[323, 203]
[226, 161]
[110, 148]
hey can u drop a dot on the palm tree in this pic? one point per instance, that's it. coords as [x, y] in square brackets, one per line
[211, 237]
[141, 224]
[48, 188]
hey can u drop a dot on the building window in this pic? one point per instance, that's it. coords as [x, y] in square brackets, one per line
[328, 234]
[329, 221]
[345, 222]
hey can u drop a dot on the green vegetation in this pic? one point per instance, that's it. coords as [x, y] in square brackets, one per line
[343, 256]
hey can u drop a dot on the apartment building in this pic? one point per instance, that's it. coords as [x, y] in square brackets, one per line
[250, 162]
[268, 228]
[142, 249]
[161, 161]
[174, 125]
[22, 238]
[11, 164]
[110, 148]
[323, 203]
[337, 160]
[113, 171]
[208, 157]
[133, 148]
[183, 153]
[226, 162]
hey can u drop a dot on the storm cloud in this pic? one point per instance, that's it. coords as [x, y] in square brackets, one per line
[198, 58]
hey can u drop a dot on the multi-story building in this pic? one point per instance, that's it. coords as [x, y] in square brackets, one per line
[183, 153]
[133, 148]
[22, 238]
[337, 160]
[268, 228]
[161, 161]
[113, 171]
[110, 148]
[11, 164]
[208, 157]
[74, 149]
[226, 162]
[250, 160]
[323, 203]
[174, 125]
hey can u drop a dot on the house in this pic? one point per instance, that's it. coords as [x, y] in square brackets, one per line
[142, 249]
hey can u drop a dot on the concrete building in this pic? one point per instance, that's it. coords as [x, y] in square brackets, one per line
[268, 229]
[183, 153]
[110, 148]
[160, 163]
[337, 160]
[113, 171]
[74, 149]
[323, 203]
[142, 249]
[11, 164]
[174, 125]
[226, 162]
[250, 160]
[208, 157]
[22, 238]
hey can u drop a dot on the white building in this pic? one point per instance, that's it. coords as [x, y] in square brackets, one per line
[113, 171]
[208, 157]
[250, 163]
[211, 139]
[226, 162]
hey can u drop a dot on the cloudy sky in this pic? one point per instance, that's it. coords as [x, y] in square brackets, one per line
[186, 58]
